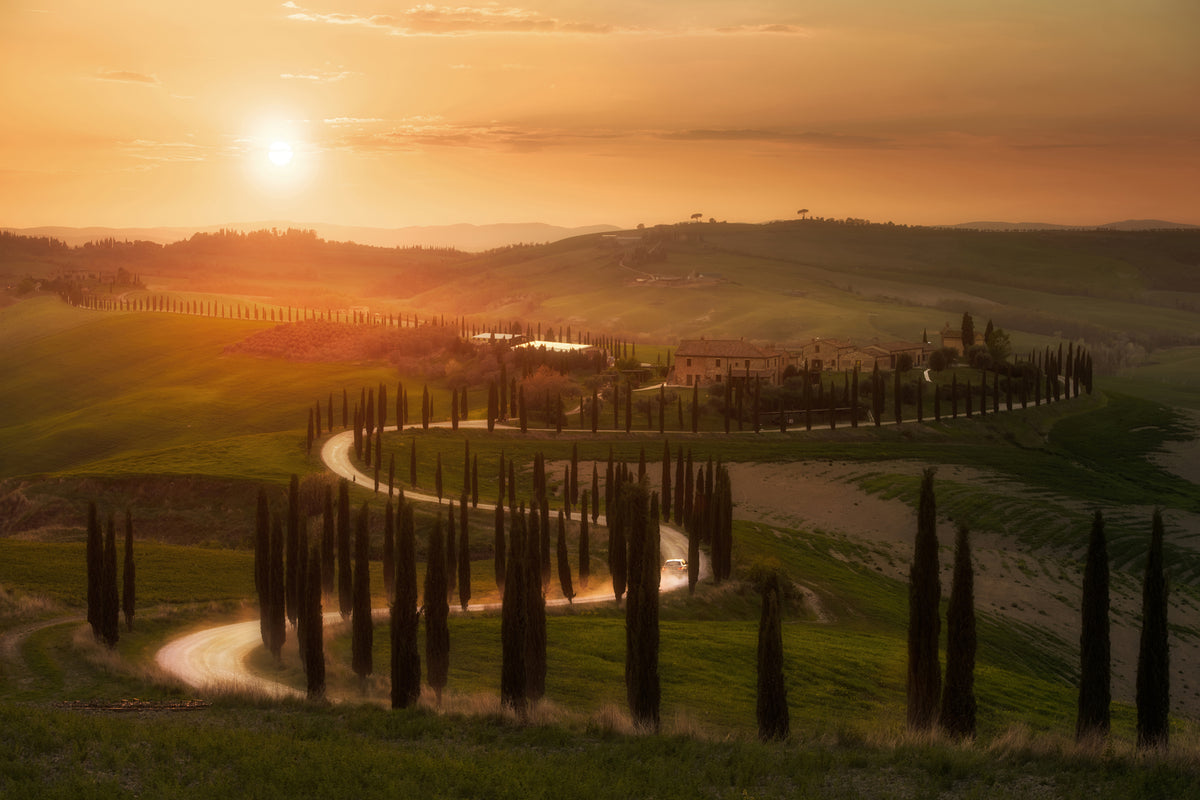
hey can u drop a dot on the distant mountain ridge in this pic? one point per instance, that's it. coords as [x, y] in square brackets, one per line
[1123, 225]
[460, 237]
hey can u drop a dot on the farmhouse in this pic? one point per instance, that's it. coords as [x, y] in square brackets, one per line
[952, 337]
[706, 361]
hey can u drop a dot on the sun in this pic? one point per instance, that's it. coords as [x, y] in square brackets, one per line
[280, 153]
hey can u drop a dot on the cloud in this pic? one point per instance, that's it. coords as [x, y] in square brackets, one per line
[152, 153]
[817, 138]
[125, 76]
[431, 20]
[317, 77]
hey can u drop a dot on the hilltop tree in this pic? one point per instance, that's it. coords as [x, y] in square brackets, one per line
[361, 626]
[406, 658]
[129, 595]
[345, 575]
[1095, 659]
[772, 707]
[437, 612]
[958, 696]
[924, 621]
[1153, 674]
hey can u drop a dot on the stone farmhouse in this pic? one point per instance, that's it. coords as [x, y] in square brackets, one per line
[707, 361]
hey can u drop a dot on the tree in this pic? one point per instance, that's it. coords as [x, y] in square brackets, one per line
[924, 621]
[389, 553]
[513, 621]
[666, 481]
[564, 563]
[968, 331]
[110, 628]
[314, 639]
[772, 707]
[262, 564]
[616, 545]
[451, 554]
[1095, 651]
[278, 617]
[1153, 675]
[362, 628]
[437, 613]
[958, 695]
[293, 548]
[95, 571]
[803, 213]
[328, 543]
[129, 595]
[406, 659]
[535, 611]
[464, 557]
[697, 216]
[498, 565]
[345, 576]
[642, 684]
[585, 558]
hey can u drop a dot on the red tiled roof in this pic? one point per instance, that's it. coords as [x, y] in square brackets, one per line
[722, 348]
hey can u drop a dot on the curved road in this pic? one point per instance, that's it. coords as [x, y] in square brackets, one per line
[215, 658]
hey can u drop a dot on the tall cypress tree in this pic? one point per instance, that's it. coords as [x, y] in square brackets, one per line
[278, 617]
[95, 571]
[595, 494]
[437, 612]
[585, 556]
[129, 595]
[464, 557]
[362, 628]
[293, 548]
[345, 573]
[666, 481]
[406, 658]
[535, 603]
[110, 627]
[328, 543]
[314, 649]
[924, 620]
[1153, 675]
[451, 553]
[1095, 656]
[412, 463]
[389, 552]
[262, 563]
[498, 566]
[642, 684]
[772, 707]
[958, 697]
[514, 618]
[564, 563]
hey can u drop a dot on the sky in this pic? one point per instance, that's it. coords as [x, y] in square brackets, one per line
[141, 113]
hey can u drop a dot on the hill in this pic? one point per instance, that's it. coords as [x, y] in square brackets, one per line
[1124, 225]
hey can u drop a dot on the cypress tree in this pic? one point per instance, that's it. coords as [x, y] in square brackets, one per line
[642, 684]
[679, 481]
[574, 492]
[437, 612]
[129, 595]
[544, 541]
[262, 563]
[564, 563]
[362, 628]
[666, 481]
[498, 565]
[628, 408]
[110, 628]
[535, 599]
[389, 553]
[958, 696]
[437, 477]
[406, 659]
[302, 595]
[492, 406]
[1153, 675]
[475, 481]
[328, 543]
[277, 605]
[425, 409]
[293, 548]
[95, 572]
[696, 407]
[1095, 659]
[345, 575]
[412, 464]
[595, 494]
[772, 707]
[897, 398]
[924, 621]
[464, 557]
[617, 554]
[451, 554]
[391, 473]
[585, 557]
[314, 649]
[513, 622]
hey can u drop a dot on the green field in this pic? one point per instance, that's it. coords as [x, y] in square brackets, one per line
[148, 411]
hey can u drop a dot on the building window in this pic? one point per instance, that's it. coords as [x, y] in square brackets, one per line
[689, 362]
[689, 377]
[747, 363]
[718, 362]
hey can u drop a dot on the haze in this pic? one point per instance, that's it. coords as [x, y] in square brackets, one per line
[138, 114]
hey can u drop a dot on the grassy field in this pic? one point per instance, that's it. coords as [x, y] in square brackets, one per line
[148, 411]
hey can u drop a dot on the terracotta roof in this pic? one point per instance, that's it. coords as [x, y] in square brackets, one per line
[722, 348]
[896, 347]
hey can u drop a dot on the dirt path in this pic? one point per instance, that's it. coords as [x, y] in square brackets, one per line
[16, 669]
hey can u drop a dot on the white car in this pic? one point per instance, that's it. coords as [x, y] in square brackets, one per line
[675, 565]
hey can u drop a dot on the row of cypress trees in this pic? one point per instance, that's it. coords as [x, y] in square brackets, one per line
[956, 711]
[105, 600]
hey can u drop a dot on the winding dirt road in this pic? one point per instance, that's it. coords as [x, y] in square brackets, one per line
[216, 658]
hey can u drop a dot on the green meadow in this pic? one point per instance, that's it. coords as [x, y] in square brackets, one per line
[148, 411]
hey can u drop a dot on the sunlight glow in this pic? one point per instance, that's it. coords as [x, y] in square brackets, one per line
[280, 154]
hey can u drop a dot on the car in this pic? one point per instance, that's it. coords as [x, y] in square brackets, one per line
[675, 565]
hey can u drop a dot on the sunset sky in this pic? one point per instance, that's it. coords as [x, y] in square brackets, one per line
[148, 113]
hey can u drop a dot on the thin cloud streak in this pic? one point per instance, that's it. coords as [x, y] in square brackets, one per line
[126, 76]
